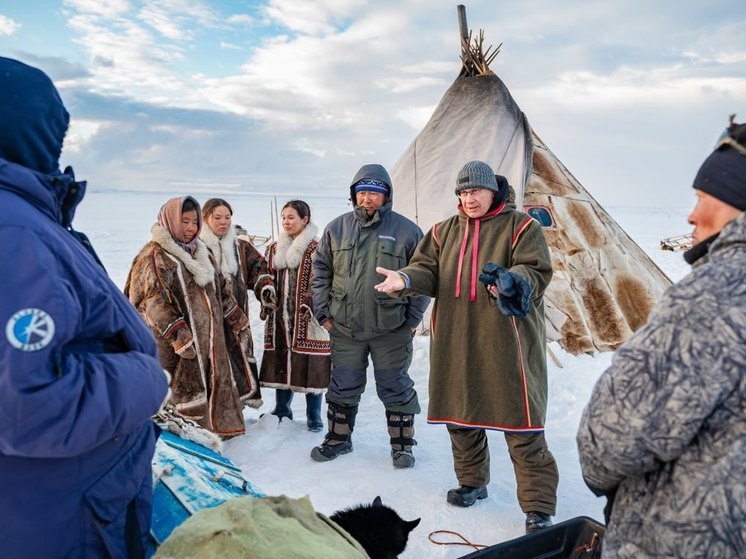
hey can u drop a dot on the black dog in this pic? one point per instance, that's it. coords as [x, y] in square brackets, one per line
[378, 529]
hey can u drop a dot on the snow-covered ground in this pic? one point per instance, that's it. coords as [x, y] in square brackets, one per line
[275, 456]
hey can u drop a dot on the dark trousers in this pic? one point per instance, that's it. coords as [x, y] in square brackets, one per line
[391, 354]
[535, 469]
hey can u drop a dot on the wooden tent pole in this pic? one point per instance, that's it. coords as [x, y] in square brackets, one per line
[462, 27]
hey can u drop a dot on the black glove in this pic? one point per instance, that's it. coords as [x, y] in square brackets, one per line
[514, 292]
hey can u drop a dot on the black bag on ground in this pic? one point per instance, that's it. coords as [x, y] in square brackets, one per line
[577, 538]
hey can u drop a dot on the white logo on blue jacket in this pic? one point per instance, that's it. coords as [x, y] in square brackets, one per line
[30, 329]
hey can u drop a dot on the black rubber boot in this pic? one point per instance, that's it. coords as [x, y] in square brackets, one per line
[466, 496]
[338, 439]
[283, 398]
[401, 431]
[536, 521]
[313, 413]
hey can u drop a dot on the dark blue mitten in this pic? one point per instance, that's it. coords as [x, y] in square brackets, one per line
[514, 291]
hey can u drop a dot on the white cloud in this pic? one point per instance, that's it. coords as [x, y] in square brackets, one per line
[241, 19]
[79, 134]
[324, 84]
[7, 26]
[629, 88]
[313, 18]
[103, 8]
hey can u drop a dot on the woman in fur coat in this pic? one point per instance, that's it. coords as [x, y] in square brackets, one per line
[243, 268]
[174, 285]
[296, 347]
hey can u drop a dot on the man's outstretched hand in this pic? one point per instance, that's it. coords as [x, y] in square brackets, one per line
[393, 281]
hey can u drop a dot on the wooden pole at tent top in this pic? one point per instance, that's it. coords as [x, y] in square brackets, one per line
[462, 26]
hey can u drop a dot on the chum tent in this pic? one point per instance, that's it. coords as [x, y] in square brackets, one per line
[604, 285]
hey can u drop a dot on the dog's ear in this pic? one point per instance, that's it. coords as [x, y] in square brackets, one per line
[411, 525]
[377, 502]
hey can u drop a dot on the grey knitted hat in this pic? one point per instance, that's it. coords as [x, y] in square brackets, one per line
[476, 174]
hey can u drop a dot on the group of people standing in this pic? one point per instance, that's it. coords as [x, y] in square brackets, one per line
[327, 314]
[82, 374]
[191, 284]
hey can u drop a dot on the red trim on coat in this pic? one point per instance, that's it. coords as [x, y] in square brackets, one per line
[521, 228]
[474, 260]
[524, 385]
[435, 234]
[493, 426]
[461, 253]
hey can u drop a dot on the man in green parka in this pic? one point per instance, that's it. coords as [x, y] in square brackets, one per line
[488, 345]
[364, 324]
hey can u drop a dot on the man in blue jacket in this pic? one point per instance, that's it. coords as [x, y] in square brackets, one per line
[79, 373]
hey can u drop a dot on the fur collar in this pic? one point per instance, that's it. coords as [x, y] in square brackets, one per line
[289, 251]
[199, 265]
[224, 249]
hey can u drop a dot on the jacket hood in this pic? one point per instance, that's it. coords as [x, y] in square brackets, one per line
[34, 120]
[372, 171]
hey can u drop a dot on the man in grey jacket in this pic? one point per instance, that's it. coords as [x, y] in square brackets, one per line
[664, 434]
[363, 323]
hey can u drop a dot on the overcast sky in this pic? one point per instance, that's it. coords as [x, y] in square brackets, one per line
[292, 96]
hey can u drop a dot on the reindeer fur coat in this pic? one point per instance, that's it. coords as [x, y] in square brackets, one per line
[173, 289]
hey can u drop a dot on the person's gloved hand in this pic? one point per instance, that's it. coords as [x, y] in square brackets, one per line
[184, 343]
[514, 291]
[269, 297]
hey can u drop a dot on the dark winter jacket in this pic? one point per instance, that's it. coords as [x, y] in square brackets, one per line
[666, 423]
[79, 380]
[344, 269]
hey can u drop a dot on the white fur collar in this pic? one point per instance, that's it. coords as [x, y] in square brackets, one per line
[223, 249]
[290, 251]
[199, 265]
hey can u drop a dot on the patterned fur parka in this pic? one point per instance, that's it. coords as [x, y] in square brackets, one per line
[666, 424]
[296, 346]
[172, 289]
[243, 268]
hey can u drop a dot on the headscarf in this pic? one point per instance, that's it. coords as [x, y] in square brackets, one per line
[169, 217]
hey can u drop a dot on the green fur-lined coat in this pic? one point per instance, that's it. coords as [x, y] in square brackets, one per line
[171, 288]
[487, 370]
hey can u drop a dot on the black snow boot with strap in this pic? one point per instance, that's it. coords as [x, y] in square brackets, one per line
[401, 431]
[338, 440]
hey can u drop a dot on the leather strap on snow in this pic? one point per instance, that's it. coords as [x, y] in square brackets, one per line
[464, 541]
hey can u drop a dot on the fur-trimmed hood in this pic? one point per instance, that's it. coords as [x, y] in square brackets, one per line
[223, 249]
[199, 265]
[289, 251]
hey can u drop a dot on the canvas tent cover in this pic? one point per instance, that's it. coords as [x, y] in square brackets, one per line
[604, 285]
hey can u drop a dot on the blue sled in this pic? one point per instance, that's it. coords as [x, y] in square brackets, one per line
[188, 477]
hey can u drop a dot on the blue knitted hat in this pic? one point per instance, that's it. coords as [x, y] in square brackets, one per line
[33, 120]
